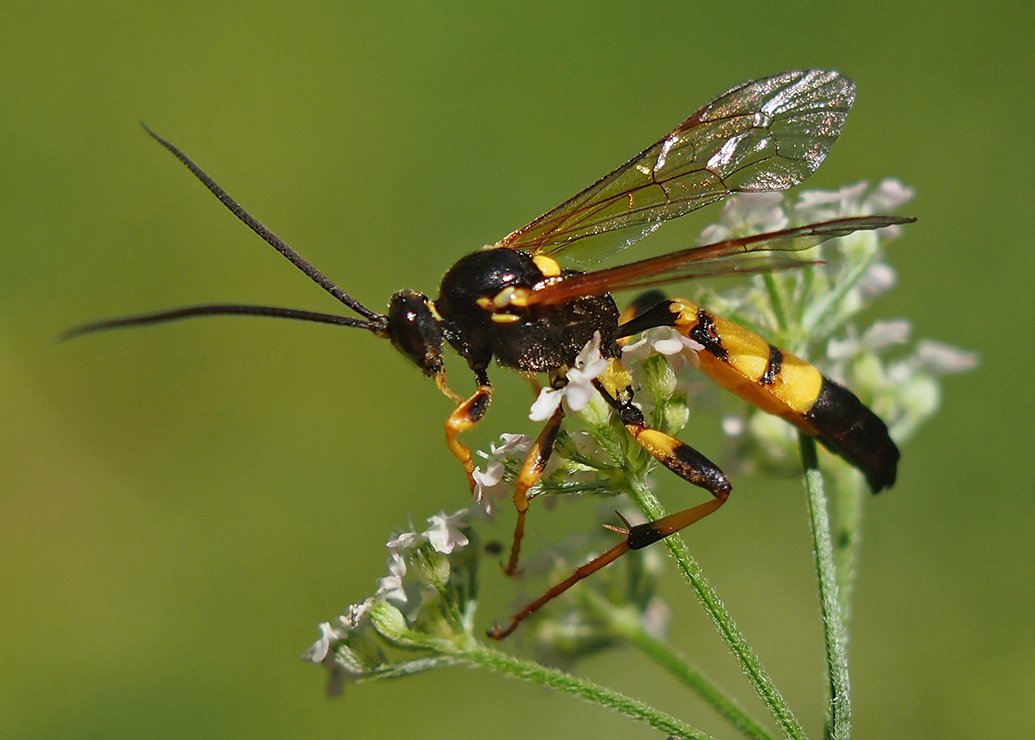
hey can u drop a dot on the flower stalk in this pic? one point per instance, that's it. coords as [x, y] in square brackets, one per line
[835, 636]
[576, 686]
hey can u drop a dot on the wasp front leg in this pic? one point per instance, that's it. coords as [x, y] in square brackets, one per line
[464, 418]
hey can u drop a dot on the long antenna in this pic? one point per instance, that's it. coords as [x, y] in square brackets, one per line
[268, 236]
[217, 309]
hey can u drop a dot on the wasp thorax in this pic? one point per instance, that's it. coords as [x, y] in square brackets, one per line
[485, 283]
[415, 331]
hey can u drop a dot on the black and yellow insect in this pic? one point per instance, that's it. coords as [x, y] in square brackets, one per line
[513, 301]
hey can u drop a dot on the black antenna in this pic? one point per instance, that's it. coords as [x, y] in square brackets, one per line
[215, 309]
[375, 322]
[268, 236]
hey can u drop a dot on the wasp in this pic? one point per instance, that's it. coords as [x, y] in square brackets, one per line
[516, 303]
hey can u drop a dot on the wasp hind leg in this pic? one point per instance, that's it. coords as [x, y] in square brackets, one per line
[677, 456]
[636, 538]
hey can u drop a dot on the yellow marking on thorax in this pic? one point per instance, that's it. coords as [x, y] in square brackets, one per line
[794, 389]
[505, 318]
[547, 265]
[519, 298]
[509, 297]
[503, 298]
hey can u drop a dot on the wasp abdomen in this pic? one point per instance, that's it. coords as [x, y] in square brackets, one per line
[848, 427]
[784, 384]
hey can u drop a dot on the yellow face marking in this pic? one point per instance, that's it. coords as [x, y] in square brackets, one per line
[547, 265]
[434, 310]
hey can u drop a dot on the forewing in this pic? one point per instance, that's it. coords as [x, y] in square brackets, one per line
[749, 254]
[765, 135]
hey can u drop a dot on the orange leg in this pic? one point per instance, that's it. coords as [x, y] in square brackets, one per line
[636, 537]
[531, 472]
[466, 416]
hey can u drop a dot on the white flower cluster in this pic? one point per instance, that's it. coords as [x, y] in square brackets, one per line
[489, 484]
[443, 536]
[812, 311]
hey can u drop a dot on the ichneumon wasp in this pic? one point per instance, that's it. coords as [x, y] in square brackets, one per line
[512, 301]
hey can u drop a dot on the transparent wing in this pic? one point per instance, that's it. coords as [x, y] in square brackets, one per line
[765, 135]
[743, 255]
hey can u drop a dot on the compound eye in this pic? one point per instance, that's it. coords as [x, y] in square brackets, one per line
[415, 331]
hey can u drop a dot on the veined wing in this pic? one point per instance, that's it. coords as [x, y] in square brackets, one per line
[744, 255]
[765, 135]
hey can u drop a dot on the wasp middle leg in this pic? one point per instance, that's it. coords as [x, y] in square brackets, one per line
[531, 472]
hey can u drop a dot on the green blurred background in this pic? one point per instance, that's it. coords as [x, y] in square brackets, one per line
[180, 506]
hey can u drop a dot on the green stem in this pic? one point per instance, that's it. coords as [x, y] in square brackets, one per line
[749, 662]
[839, 715]
[775, 300]
[678, 666]
[846, 543]
[497, 660]
[818, 315]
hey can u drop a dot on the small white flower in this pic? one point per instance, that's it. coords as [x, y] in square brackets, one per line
[488, 484]
[823, 205]
[853, 200]
[665, 341]
[889, 195]
[579, 390]
[391, 586]
[676, 347]
[878, 279]
[733, 425]
[638, 350]
[877, 338]
[444, 535]
[884, 334]
[511, 443]
[546, 404]
[941, 359]
[354, 614]
[319, 649]
[747, 213]
[656, 618]
[404, 541]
